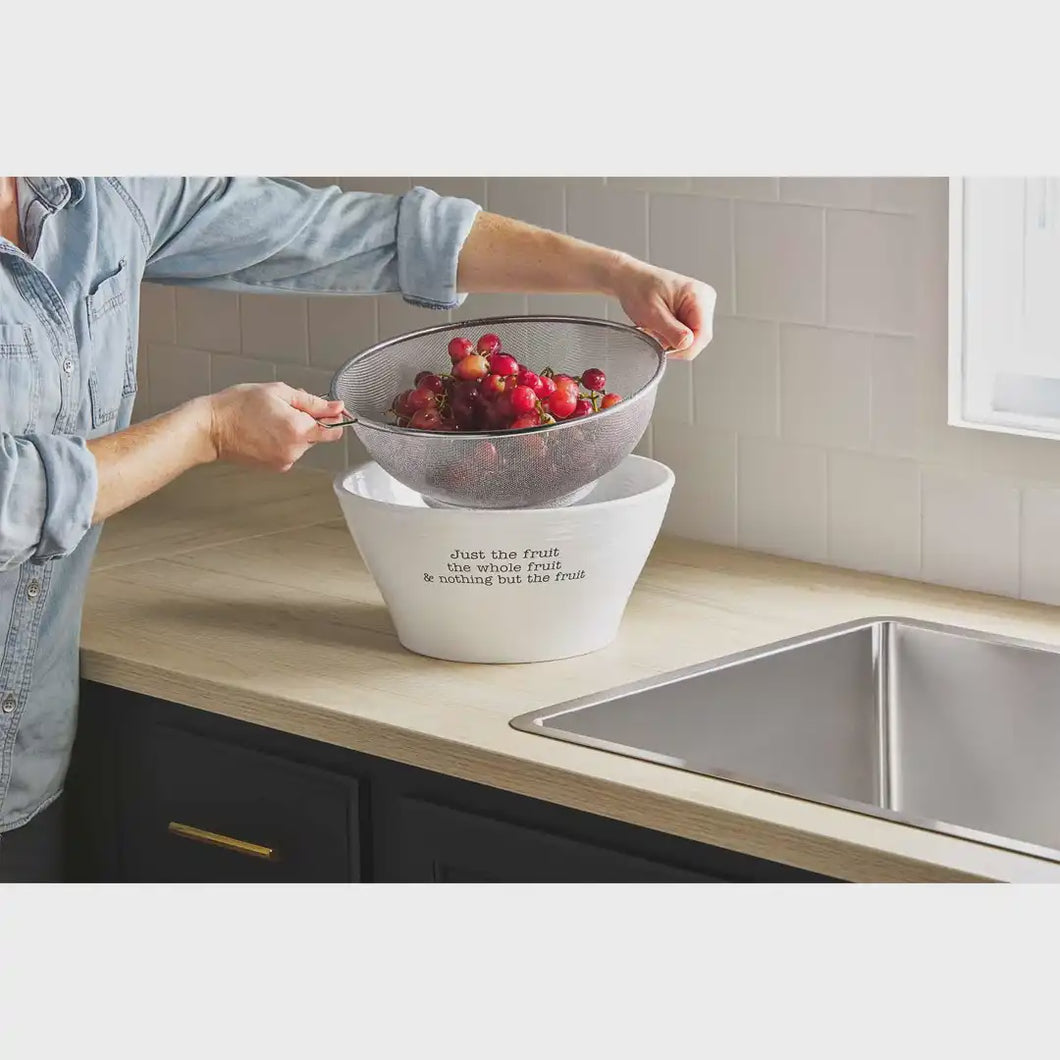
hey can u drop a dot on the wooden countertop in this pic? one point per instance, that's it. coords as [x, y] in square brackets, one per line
[243, 594]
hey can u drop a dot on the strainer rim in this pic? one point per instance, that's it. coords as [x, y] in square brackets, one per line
[544, 318]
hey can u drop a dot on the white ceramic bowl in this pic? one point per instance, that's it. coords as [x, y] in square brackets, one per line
[507, 586]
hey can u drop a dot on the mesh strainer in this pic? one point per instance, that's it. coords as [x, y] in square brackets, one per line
[535, 468]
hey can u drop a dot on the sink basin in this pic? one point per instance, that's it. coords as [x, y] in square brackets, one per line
[944, 728]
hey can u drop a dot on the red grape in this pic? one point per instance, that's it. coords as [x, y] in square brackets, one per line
[492, 386]
[523, 400]
[429, 419]
[502, 363]
[562, 403]
[473, 366]
[459, 348]
[609, 401]
[420, 398]
[463, 411]
[525, 420]
[546, 387]
[528, 378]
[501, 412]
[401, 406]
[565, 382]
[431, 381]
[582, 407]
[489, 343]
[594, 379]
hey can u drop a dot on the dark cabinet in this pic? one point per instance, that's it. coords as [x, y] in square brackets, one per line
[163, 793]
[437, 844]
[197, 809]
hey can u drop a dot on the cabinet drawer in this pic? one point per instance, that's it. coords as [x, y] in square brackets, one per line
[443, 845]
[200, 810]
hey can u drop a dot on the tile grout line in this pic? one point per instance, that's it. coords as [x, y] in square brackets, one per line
[920, 520]
[1020, 520]
[824, 267]
[736, 489]
[734, 299]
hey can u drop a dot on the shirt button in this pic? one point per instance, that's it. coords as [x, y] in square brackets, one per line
[7, 704]
[68, 366]
[33, 589]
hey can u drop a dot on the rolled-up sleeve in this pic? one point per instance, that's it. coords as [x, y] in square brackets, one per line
[259, 234]
[48, 487]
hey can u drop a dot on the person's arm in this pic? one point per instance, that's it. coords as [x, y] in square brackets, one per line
[269, 235]
[273, 235]
[54, 488]
[267, 425]
[501, 254]
[47, 493]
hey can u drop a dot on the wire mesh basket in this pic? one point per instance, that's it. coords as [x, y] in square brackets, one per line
[535, 467]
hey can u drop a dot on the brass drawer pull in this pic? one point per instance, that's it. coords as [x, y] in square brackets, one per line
[199, 835]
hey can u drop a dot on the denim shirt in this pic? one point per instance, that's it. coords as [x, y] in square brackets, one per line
[69, 311]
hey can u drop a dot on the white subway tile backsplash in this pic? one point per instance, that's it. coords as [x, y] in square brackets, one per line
[779, 262]
[825, 386]
[736, 378]
[1040, 555]
[142, 407]
[782, 499]
[693, 236]
[275, 327]
[899, 395]
[656, 184]
[207, 320]
[158, 313]
[396, 316]
[535, 200]
[872, 269]
[673, 400]
[971, 532]
[378, 185]
[568, 305]
[703, 502]
[904, 194]
[176, 375]
[874, 514]
[317, 182]
[848, 192]
[764, 189]
[339, 328]
[615, 219]
[226, 371]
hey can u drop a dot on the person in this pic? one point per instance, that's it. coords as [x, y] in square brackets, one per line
[73, 252]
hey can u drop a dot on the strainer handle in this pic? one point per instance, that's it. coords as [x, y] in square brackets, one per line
[342, 423]
[664, 349]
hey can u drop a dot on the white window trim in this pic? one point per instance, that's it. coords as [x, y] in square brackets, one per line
[958, 371]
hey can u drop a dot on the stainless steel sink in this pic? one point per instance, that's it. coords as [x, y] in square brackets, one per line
[939, 727]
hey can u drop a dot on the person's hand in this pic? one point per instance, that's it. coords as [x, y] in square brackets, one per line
[677, 310]
[269, 425]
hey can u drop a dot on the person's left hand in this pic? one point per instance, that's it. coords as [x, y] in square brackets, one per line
[677, 310]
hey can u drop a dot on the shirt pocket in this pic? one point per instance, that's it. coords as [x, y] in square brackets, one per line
[20, 380]
[112, 365]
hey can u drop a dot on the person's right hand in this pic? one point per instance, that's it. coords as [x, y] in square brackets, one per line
[269, 425]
